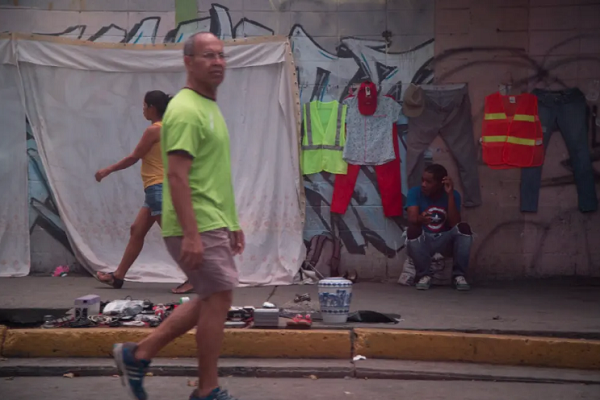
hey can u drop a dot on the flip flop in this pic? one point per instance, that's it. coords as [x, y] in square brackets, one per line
[178, 291]
[115, 283]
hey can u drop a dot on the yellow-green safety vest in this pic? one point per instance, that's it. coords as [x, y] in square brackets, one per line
[323, 140]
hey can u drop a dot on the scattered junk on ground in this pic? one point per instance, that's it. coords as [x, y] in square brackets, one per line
[266, 318]
[321, 267]
[90, 312]
[333, 308]
[300, 322]
[61, 271]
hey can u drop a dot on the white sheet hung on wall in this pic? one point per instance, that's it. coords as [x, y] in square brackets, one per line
[14, 209]
[84, 103]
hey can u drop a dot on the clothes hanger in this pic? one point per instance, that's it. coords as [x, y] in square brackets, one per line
[505, 86]
[553, 83]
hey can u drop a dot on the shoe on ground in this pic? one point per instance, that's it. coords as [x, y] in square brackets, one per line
[424, 283]
[300, 322]
[132, 371]
[460, 283]
[217, 394]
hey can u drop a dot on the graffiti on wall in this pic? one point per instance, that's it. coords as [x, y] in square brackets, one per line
[43, 212]
[322, 75]
[328, 75]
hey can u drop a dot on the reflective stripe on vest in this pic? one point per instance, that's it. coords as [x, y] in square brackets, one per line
[511, 139]
[338, 132]
[517, 117]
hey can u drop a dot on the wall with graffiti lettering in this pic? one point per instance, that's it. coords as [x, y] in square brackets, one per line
[509, 46]
[336, 44]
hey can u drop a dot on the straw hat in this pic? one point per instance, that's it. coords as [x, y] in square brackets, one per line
[413, 102]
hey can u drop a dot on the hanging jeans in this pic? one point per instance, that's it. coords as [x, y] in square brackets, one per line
[565, 110]
[447, 113]
[388, 180]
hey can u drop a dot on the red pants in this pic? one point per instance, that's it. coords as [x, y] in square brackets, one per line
[388, 179]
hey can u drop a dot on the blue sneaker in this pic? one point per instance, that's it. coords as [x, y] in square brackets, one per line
[132, 371]
[217, 394]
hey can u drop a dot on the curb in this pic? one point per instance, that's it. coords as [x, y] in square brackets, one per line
[3, 330]
[320, 344]
[478, 348]
[250, 343]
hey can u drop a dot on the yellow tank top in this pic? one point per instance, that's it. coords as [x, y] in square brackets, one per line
[152, 165]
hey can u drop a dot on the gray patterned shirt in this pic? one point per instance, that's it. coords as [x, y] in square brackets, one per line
[369, 137]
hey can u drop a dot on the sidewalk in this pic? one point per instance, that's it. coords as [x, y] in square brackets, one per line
[539, 324]
[564, 308]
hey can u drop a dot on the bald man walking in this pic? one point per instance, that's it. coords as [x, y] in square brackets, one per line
[200, 222]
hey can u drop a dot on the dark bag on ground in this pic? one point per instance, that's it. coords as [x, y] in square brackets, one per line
[373, 317]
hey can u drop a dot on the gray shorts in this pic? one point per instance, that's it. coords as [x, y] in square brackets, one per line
[218, 272]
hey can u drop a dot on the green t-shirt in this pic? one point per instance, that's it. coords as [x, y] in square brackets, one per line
[194, 124]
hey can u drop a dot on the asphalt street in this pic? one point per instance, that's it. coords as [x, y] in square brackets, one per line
[173, 388]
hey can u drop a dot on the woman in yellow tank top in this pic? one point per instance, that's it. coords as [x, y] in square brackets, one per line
[147, 150]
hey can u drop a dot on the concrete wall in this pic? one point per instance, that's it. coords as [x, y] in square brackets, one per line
[558, 37]
[339, 42]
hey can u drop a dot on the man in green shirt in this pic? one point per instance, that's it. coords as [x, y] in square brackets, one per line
[199, 221]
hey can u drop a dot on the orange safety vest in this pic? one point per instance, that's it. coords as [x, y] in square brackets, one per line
[512, 141]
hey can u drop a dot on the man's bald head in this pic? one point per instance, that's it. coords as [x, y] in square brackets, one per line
[189, 46]
[204, 59]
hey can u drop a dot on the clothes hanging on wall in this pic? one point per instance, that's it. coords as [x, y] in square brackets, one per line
[369, 104]
[368, 127]
[323, 138]
[565, 110]
[443, 110]
[511, 135]
[388, 181]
